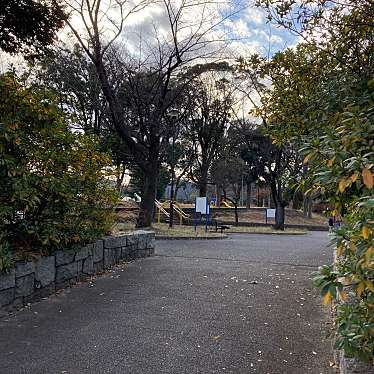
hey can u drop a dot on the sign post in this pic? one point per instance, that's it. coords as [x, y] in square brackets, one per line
[269, 213]
[202, 207]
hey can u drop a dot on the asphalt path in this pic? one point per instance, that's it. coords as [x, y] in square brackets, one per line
[240, 305]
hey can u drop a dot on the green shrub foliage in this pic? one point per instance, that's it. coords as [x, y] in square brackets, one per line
[322, 101]
[53, 190]
[343, 163]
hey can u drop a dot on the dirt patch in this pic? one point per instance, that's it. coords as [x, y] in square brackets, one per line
[293, 217]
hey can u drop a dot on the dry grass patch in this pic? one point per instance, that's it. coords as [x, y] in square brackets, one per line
[184, 231]
[163, 229]
[264, 230]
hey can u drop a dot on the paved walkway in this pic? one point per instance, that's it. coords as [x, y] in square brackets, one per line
[241, 305]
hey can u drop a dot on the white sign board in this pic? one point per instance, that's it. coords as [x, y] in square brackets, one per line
[202, 205]
[270, 213]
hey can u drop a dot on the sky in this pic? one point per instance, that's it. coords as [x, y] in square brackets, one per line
[256, 33]
[242, 26]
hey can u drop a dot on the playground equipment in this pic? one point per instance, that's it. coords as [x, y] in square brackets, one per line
[177, 209]
[180, 212]
[226, 204]
[160, 209]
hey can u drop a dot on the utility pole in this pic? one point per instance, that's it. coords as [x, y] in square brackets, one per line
[173, 115]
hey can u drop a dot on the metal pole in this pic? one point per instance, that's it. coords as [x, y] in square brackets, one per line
[242, 194]
[206, 214]
[171, 208]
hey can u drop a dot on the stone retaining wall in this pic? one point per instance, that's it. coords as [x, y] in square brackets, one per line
[30, 281]
[349, 365]
[353, 366]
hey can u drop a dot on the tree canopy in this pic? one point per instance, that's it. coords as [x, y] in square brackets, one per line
[322, 101]
[29, 26]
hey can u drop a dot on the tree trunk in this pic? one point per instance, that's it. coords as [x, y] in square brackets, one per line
[120, 176]
[236, 213]
[297, 200]
[203, 182]
[202, 190]
[218, 196]
[279, 217]
[150, 165]
[175, 194]
[307, 206]
[148, 199]
[279, 205]
[249, 190]
[310, 206]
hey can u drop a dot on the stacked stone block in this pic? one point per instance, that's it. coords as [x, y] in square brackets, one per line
[29, 281]
[349, 365]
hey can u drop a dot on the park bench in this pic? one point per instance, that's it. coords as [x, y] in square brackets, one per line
[221, 227]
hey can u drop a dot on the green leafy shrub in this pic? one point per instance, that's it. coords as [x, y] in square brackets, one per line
[6, 259]
[53, 187]
[342, 159]
[321, 101]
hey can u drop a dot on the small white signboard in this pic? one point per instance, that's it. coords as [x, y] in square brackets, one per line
[270, 213]
[202, 205]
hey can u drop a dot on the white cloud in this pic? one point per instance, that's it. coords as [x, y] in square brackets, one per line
[255, 15]
[276, 39]
[241, 28]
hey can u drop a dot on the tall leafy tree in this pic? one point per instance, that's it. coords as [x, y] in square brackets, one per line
[336, 133]
[29, 26]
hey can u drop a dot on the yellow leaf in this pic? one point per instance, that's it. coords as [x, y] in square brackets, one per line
[308, 157]
[352, 246]
[369, 285]
[343, 295]
[327, 298]
[365, 232]
[75, 238]
[330, 162]
[369, 252]
[360, 288]
[339, 249]
[354, 176]
[342, 185]
[367, 178]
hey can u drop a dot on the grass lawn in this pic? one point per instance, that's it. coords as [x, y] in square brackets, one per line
[162, 229]
[264, 230]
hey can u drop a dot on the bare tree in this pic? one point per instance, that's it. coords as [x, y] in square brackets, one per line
[227, 173]
[210, 100]
[102, 27]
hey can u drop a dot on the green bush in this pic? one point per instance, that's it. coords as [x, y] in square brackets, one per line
[53, 187]
[343, 161]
